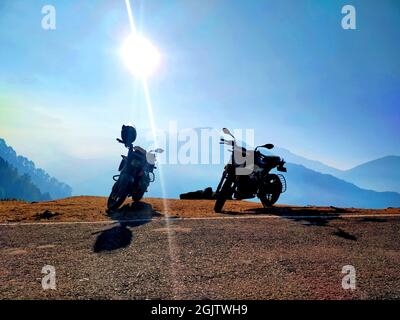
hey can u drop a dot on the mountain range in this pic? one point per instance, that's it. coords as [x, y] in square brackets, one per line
[305, 186]
[374, 184]
[381, 174]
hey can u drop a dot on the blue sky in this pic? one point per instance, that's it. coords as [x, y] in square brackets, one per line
[285, 68]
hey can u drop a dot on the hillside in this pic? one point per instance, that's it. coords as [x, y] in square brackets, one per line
[382, 174]
[38, 176]
[323, 189]
[15, 186]
[308, 163]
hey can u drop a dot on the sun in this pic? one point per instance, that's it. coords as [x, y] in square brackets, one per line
[140, 56]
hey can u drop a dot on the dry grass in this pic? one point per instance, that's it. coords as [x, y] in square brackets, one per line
[89, 208]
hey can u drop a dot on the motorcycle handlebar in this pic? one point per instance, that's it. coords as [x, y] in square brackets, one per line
[232, 144]
[228, 142]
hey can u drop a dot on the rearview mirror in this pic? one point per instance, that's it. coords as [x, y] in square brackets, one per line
[268, 146]
[159, 150]
[226, 131]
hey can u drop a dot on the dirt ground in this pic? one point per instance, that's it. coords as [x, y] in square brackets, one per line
[247, 252]
[88, 208]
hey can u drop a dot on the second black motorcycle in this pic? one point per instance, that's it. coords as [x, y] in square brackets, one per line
[136, 171]
[255, 178]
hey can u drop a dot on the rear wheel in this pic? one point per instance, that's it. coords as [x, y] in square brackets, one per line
[224, 194]
[270, 193]
[118, 193]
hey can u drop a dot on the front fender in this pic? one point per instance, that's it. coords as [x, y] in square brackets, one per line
[122, 164]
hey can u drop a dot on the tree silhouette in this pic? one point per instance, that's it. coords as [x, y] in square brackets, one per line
[14, 186]
[38, 177]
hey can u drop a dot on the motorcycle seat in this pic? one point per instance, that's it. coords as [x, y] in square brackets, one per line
[272, 158]
[140, 150]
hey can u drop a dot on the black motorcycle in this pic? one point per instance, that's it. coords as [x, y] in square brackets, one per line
[136, 171]
[258, 182]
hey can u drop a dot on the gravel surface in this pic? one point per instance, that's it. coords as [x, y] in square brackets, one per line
[295, 255]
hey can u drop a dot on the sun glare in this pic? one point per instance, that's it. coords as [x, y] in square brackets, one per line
[140, 56]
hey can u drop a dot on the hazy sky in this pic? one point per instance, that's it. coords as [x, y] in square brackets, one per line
[285, 68]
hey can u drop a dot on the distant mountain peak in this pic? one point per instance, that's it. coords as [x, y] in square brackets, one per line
[386, 160]
[382, 174]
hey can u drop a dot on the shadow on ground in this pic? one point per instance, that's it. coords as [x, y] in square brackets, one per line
[120, 236]
[309, 216]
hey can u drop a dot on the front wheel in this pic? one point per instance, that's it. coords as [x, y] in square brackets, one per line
[224, 194]
[118, 193]
[271, 191]
[138, 196]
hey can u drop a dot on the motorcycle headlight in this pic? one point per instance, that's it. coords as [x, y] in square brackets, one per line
[281, 166]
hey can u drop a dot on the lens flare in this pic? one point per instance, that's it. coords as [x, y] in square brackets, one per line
[150, 58]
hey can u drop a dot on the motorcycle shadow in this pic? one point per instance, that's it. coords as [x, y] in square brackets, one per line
[120, 236]
[308, 216]
[134, 210]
